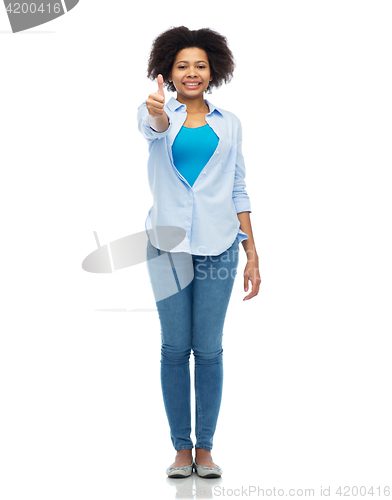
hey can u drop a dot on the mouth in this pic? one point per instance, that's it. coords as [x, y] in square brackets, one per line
[192, 86]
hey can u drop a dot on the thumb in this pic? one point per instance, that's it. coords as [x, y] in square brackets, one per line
[160, 85]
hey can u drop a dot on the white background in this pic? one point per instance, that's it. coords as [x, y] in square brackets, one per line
[307, 362]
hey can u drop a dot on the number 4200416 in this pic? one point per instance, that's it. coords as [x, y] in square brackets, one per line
[32, 8]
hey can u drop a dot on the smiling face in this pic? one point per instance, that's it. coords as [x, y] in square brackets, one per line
[191, 73]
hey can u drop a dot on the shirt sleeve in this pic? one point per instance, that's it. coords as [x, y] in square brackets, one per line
[144, 125]
[240, 196]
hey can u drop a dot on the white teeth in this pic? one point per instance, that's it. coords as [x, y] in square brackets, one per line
[191, 84]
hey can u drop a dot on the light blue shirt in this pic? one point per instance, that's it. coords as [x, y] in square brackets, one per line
[207, 211]
[192, 148]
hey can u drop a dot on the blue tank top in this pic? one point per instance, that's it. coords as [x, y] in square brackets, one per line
[192, 148]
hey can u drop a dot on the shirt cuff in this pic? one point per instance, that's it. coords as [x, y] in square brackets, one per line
[242, 206]
[144, 124]
[159, 134]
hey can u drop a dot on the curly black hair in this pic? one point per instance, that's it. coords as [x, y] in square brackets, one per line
[166, 46]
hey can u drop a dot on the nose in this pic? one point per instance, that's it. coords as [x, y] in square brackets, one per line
[192, 72]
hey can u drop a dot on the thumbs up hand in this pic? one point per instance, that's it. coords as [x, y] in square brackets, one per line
[156, 101]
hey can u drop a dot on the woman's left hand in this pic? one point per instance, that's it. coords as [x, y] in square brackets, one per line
[252, 273]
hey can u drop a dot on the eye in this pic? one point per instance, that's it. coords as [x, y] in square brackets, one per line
[200, 66]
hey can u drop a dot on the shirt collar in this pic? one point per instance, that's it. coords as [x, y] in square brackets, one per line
[173, 105]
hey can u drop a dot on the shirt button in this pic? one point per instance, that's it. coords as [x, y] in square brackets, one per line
[217, 152]
[205, 172]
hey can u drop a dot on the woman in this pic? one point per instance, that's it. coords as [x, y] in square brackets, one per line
[196, 174]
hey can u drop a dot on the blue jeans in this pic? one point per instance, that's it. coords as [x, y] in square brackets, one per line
[192, 318]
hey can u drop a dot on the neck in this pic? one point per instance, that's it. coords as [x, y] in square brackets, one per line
[193, 105]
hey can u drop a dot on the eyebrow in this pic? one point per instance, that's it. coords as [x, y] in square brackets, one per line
[188, 62]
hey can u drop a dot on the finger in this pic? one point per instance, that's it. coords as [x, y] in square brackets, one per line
[156, 98]
[255, 288]
[247, 297]
[160, 86]
[158, 107]
[251, 295]
[246, 284]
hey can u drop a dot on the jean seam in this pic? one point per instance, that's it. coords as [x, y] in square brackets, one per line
[198, 405]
